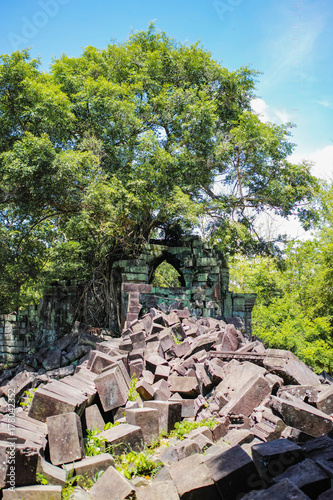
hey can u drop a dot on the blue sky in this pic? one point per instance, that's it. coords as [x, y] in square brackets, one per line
[289, 41]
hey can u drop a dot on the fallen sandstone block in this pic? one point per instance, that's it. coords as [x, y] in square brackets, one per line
[46, 404]
[324, 401]
[304, 417]
[274, 457]
[123, 438]
[185, 386]
[94, 419]
[65, 438]
[147, 419]
[233, 472]
[53, 474]
[112, 388]
[169, 412]
[161, 490]
[193, 480]
[112, 481]
[88, 467]
[18, 464]
[308, 477]
[284, 490]
[145, 390]
[289, 367]
[249, 397]
[35, 492]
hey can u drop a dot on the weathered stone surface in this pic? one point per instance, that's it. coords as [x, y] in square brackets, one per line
[146, 418]
[159, 490]
[89, 466]
[324, 400]
[289, 367]
[193, 480]
[53, 474]
[238, 436]
[179, 451]
[185, 386]
[17, 385]
[94, 419]
[297, 414]
[233, 472]
[112, 389]
[321, 447]
[36, 492]
[221, 428]
[145, 390]
[274, 457]
[153, 361]
[269, 426]
[111, 481]
[162, 372]
[169, 412]
[284, 490]
[46, 404]
[245, 400]
[65, 438]
[53, 360]
[188, 410]
[306, 393]
[18, 464]
[215, 370]
[124, 438]
[100, 361]
[236, 376]
[161, 390]
[308, 477]
[80, 494]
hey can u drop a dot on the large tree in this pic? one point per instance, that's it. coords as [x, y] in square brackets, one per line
[107, 148]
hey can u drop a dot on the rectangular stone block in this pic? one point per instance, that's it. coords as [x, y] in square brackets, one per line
[185, 386]
[304, 417]
[94, 419]
[123, 438]
[169, 412]
[289, 367]
[161, 490]
[250, 396]
[112, 389]
[46, 404]
[193, 479]
[324, 401]
[36, 492]
[53, 475]
[101, 361]
[274, 457]
[308, 477]
[88, 467]
[233, 472]
[18, 464]
[113, 485]
[65, 438]
[146, 418]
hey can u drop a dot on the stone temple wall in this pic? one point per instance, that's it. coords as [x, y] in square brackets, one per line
[204, 279]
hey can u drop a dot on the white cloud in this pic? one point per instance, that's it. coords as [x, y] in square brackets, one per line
[324, 102]
[268, 114]
[322, 160]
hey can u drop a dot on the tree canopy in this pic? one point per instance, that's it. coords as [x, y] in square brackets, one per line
[110, 147]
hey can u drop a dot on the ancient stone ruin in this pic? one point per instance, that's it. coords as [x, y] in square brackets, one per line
[204, 289]
[266, 418]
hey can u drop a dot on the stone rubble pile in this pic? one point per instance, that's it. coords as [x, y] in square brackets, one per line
[271, 435]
